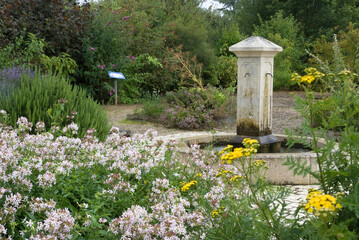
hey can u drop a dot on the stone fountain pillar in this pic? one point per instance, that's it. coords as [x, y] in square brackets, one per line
[255, 92]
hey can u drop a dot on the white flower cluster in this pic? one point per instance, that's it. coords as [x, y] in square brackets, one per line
[23, 124]
[3, 112]
[40, 127]
[58, 224]
[32, 164]
[71, 128]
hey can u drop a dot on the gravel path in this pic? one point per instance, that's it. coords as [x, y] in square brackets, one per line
[284, 116]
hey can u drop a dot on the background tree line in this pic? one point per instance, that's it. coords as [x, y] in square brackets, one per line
[160, 45]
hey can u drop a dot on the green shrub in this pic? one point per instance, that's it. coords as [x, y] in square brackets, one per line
[60, 23]
[226, 69]
[122, 37]
[34, 96]
[284, 31]
[152, 108]
[194, 108]
[30, 51]
[345, 44]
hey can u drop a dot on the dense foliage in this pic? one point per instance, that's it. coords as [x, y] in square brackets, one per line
[337, 160]
[320, 17]
[142, 40]
[61, 23]
[136, 38]
[193, 108]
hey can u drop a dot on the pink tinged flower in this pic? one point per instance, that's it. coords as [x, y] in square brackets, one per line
[133, 222]
[40, 126]
[24, 124]
[92, 49]
[103, 67]
[87, 223]
[47, 180]
[125, 18]
[133, 58]
[39, 205]
[2, 229]
[115, 130]
[113, 65]
[72, 128]
[59, 223]
[108, 24]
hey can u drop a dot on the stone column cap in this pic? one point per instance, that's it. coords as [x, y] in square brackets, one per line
[255, 46]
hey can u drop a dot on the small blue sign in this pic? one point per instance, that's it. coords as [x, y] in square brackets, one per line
[117, 75]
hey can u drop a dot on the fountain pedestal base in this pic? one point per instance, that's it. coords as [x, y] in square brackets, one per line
[268, 143]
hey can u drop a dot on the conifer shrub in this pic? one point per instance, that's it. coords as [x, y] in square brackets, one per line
[35, 95]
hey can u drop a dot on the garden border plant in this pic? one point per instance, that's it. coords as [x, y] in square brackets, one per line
[338, 167]
[37, 93]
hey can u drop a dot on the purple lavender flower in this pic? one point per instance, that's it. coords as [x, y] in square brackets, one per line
[125, 18]
[9, 78]
[108, 24]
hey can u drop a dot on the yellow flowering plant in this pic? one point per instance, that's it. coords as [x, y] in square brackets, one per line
[216, 212]
[320, 204]
[186, 186]
[252, 178]
[312, 74]
[336, 162]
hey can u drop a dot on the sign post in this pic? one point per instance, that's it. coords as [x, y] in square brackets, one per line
[116, 75]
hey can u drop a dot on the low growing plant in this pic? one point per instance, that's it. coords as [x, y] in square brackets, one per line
[196, 108]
